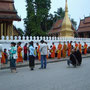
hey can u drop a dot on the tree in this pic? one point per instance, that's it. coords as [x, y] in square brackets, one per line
[20, 30]
[30, 19]
[74, 23]
[59, 14]
[37, 14]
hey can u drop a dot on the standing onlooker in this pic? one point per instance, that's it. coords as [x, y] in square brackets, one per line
[25, 52]
[19, 51]
[31, 56]
[43, 50]
[12, 53]
[6, 56]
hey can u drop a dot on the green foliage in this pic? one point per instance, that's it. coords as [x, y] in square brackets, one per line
[21, 31]
[38, 21]
[74, 23]
[59, 14]
[37, 13]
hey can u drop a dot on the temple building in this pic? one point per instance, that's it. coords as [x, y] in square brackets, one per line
[84, 28]
[63, 28]
[56, 28]
[8, 14]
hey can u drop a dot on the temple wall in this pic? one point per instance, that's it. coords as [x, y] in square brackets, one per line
[6, 42]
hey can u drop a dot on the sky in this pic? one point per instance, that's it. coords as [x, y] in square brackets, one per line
[78, 9]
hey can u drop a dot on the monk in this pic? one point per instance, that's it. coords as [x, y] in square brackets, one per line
[80, 47]
[76, 46]
[85, 48]
[53, 50]
[64, 50]
[69, 48]
[3, 58]
[19, 52]
[38, 51]
[59, 50]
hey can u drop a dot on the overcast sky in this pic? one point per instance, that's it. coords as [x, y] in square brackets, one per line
[77, 9]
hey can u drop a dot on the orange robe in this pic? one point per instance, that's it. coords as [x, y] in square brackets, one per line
[69, 49]
[3, 59]
[39, 54]
[59, 51]
[53, 51]
[80, 48]
[85, 49]
[64, 50]
[19, 51]
[76, 46]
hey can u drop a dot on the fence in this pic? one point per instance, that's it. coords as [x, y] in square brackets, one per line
[5, 41]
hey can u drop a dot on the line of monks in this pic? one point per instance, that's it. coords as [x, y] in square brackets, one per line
[62, 51]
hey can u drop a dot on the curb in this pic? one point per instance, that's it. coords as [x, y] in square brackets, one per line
[53, 61]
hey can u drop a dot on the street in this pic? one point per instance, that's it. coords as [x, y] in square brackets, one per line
[57, 76]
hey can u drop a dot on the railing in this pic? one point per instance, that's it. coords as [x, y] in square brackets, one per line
[47, 38]
[5, 41]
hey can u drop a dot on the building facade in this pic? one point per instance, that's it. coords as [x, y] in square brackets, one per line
[56, 28]
[84, 28]
[8, 14]
[63, 28]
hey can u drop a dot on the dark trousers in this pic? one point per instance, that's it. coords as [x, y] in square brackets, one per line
[25, 57]
[31, 61]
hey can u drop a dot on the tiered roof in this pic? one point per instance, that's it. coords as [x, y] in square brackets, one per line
[56, 28]
[84, 25]
[8, 11]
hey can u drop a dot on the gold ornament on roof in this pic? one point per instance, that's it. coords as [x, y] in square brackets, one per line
[66, 29]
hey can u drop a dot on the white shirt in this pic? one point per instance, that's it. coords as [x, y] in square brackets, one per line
[43, 49]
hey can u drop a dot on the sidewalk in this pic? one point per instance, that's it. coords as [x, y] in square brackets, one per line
[26, 63]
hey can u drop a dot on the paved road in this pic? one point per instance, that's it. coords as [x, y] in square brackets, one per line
[56, 77]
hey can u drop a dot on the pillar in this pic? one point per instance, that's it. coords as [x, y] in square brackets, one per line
[8, 28]
[5, 29]
[1, 29]
[11, 28]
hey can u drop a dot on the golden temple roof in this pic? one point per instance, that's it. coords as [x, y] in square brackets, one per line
[66, 29]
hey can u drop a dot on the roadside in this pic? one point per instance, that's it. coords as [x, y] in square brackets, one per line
[26, 63]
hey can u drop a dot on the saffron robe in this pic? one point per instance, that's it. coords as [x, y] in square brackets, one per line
[80, 48]
[38, 52]
[3, 58]
[19, 51]
[76, 46]
[59, 51]
[53, 51]
[69, 49]
[85, 48]
[64, 50]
